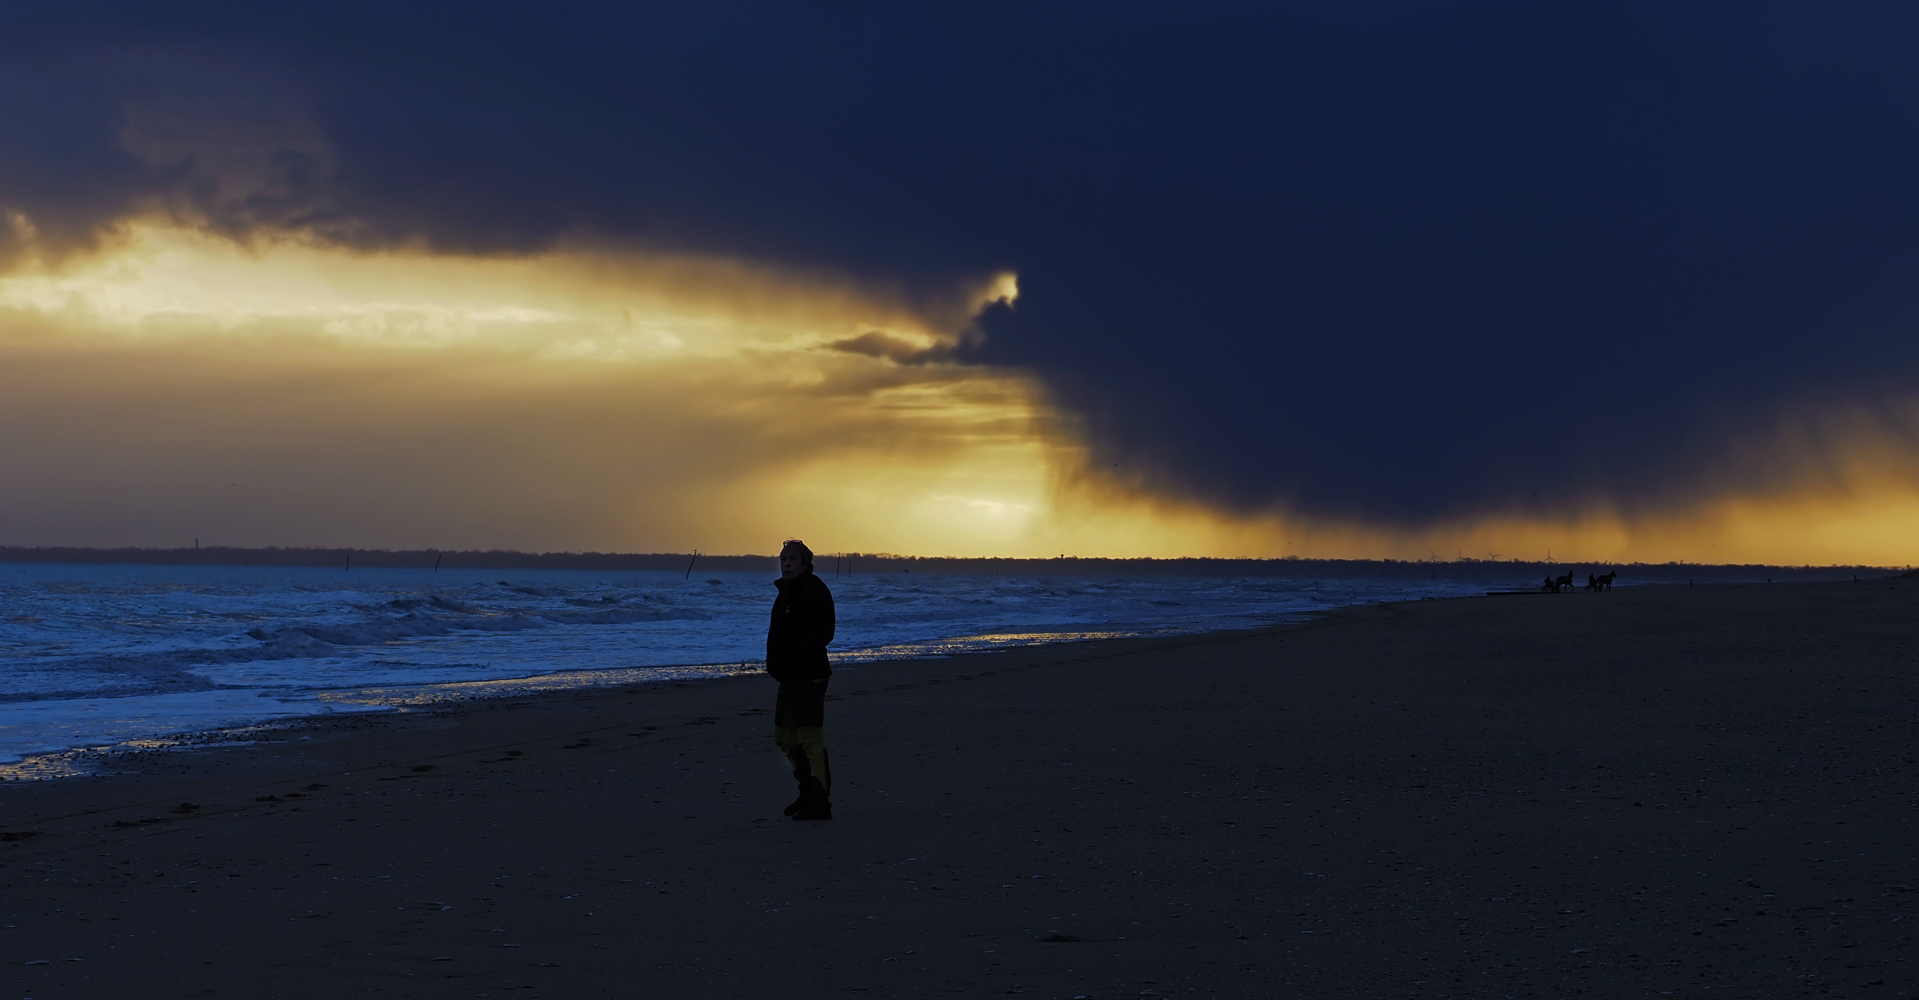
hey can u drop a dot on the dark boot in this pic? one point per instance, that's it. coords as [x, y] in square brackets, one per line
[806, 792]
[814, 804]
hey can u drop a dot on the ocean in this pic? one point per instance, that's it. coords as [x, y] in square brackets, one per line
[99, 658]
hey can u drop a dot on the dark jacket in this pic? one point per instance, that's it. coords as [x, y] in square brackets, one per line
[802, 626]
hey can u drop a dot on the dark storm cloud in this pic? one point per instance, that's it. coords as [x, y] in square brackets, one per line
[61, 158]
[1402, 260]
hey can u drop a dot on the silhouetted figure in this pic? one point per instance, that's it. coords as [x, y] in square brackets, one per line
[1592, 583]
[1549, 587]
[1605, 582]
[1563, 582]
[796, 642]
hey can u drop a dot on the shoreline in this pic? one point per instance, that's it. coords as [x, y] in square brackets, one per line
[70, 763]
[521, 692]
[67, 734]
[1659, 790]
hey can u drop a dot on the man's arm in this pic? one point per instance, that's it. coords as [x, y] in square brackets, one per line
[819, 613]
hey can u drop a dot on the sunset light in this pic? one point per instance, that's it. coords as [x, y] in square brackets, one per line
[664, 411]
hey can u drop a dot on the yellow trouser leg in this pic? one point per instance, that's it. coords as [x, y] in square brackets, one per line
[787, 738]
[805, 750]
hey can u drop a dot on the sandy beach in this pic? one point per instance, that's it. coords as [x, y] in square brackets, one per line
[1666, 790]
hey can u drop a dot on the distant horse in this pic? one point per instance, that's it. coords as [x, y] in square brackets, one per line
[1605, 582]
[1563, 582]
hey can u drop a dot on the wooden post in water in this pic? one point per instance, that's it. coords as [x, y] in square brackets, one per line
[690, 562]
[436, 560]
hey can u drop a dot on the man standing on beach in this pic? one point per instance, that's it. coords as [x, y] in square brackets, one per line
[796, 657]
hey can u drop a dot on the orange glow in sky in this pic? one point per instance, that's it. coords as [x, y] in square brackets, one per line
[174, 386]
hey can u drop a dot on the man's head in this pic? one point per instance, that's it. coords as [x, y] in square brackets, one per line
[795, 558]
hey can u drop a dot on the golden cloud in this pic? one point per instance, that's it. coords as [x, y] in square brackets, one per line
[179, 385]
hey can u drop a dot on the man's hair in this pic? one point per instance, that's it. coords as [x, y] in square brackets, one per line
[806, 554]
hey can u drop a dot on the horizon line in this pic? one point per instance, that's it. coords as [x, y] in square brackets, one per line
[10, 554]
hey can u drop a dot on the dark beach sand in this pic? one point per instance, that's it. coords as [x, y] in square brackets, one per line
[1707, 792]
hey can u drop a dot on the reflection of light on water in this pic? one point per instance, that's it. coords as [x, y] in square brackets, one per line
[71, 764]
[571, 680]
[98, 757]
[582, 680]
[81, 761]
[63, 737]
[933, 648]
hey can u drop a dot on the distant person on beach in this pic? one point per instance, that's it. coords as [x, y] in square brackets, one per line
[796, 657]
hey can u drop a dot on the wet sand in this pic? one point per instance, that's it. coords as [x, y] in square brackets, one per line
[1701, 792]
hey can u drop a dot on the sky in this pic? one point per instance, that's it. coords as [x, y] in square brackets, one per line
[1610, 282]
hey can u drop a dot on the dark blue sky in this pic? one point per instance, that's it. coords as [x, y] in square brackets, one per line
[1399, 260]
